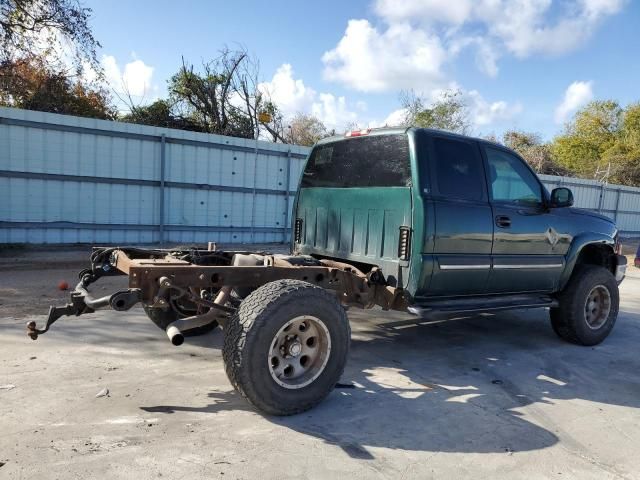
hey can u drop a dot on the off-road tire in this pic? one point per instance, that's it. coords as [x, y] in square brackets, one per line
[162, 318]
[249, 335]
[569, 320]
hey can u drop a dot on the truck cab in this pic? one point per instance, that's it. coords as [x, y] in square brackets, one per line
[458, 223]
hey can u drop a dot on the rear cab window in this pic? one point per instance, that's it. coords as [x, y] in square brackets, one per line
[367, 161]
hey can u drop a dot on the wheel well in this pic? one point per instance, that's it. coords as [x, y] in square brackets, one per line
[598, 254]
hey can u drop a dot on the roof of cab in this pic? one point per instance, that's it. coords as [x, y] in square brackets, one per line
[400, 130]
[372, 132]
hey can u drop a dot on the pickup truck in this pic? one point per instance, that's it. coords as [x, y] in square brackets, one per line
[415, 220]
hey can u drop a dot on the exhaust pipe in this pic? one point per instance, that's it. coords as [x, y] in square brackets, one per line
[175, 335]
[174, 329]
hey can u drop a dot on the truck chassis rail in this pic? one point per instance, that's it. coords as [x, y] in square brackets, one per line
[212, 283]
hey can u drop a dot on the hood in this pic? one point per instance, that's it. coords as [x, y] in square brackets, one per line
[592, 214]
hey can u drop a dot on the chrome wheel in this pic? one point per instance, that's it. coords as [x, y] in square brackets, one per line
[299, 352]
[597, 307]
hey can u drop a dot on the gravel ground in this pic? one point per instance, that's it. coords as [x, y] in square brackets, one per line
[482, 396]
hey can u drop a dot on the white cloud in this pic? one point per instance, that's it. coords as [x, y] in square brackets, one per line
[292, 96]
[484, 113]
[135, 79]
[333, 111]
[529, 27]
[418, 39]
[486, 53]
[452, 12]
[399, 57]
[395, 118]
[576, 95]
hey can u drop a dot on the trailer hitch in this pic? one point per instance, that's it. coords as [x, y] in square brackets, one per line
[82, 302]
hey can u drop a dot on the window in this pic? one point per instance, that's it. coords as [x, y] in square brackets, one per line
[510, 179]
[368, 161]
[459, 172]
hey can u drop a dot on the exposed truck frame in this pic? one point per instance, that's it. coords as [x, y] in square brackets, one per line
[159, 277]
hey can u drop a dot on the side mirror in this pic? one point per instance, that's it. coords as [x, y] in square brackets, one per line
[561, 197]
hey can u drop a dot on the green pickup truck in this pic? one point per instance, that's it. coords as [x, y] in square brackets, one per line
[414, 220]
[483, 232]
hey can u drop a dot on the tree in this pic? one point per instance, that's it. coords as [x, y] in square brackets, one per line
[534, 151]
[591, 140]
[34, 27]
[223, 97]
[160, 114]
[624, 155]
[450, 112]
[33, 84]
[306, 130]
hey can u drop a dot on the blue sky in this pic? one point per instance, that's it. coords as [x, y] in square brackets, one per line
[526, 64]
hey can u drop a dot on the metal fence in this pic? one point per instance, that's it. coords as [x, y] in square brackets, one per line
[67, 179]
[618, 202]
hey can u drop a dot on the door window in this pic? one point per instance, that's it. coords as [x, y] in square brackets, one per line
[510, 180]
[459, 171]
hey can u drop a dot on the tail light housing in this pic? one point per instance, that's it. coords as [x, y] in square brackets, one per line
[404, 243]
[297, 231]
[618, 245]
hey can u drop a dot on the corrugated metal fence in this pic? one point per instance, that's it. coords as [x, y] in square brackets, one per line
[67, 179]
[618, 202]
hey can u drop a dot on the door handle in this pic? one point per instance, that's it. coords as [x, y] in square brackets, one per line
[503, 221]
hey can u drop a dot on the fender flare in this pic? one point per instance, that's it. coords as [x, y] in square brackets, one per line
[577, 245]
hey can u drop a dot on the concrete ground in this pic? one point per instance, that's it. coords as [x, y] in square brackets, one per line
[483, 396]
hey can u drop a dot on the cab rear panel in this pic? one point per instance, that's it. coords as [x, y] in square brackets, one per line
[355, 195]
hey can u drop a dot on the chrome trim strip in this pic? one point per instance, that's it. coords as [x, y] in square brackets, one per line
[465, 267]
[529, 265]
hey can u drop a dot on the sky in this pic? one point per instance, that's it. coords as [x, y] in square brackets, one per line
[524, 64]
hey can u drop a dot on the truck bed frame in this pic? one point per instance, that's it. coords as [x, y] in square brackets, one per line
[213, 283]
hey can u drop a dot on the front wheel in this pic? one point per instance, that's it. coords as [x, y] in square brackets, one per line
[286, 346]
[588, 306]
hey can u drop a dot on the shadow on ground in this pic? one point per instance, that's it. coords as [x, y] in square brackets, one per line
[478, 384]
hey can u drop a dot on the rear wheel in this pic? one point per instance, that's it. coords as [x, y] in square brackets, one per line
[588, 306]
[286, 346]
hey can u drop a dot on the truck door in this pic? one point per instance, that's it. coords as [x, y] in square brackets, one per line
[529, 242]
[463, 219]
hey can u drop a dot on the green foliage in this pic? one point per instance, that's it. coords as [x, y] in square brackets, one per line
[33, 84]
[534, 151]
[603, 142]
[630, 130]
[576, 154]
[222, 97]
[160, 114]
[449, 112]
